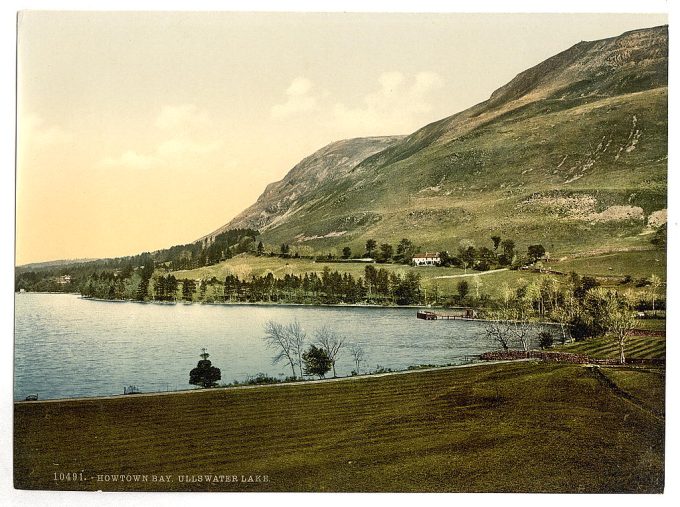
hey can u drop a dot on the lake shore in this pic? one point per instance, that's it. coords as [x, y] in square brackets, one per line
[298, 383]
[256, 303]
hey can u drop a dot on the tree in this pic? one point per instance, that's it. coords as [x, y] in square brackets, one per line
[660, 237]
[146, 271]
[498, 331]
[204, 375]
[316, 361]
[357, 354]
[463, 289]
[408, 290]
[346, 252]
[277, 337]
[615, 314]
[386, 252]
[585, 284]
[467, 256]
[331, 343]
[535, 252]
[477, 282]
[486, 259]
[405, 251]
[508, 255]
[545, 340]
[370, 247]
[510, 324]
[496, 241]
[297, 337]
[654, 284]
[260, 248]
[188, 289]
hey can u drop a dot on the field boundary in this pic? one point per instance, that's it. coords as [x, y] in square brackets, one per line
[278, 384]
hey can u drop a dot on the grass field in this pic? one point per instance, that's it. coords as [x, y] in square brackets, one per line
[523, 427]
[638, 347]
[637, 264]
[646, 386]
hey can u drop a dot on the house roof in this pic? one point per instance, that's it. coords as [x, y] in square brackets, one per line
[427, 255]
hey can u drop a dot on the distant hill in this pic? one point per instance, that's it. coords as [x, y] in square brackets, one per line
[54, 264]
[571, 153]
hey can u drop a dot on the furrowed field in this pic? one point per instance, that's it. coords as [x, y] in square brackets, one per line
[531, 427]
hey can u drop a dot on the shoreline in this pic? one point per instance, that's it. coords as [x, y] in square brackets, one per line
[278, 384]
[245, 303]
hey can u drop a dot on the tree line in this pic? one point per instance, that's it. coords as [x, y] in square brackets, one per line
[581, 307]
[377, 286]
[100, 274]
[500, 253]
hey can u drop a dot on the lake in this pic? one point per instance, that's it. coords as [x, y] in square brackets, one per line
[66, 346]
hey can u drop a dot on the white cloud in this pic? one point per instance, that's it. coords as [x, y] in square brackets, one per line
[185, 124]
[299, 86]
[299, 100]
[179, 146]
[34, 133]
[131, 159]
[180, 116]
[396, 106]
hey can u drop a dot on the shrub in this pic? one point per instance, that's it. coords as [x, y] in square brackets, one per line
[545, 340]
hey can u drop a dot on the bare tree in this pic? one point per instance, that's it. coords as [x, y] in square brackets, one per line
[510, 325]
[498, 331]
[655, 283]
[277, 337]
[331, 343]
[357, 354]
[477, 283]
[297, 337]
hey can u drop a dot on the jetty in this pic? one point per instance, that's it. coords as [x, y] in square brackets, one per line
[461, 314]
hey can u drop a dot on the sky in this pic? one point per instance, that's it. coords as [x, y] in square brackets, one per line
[139, 131]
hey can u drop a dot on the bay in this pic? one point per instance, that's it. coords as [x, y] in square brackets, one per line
[66, 346]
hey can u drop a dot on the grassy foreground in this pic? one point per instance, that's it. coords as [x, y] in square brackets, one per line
[525, 427]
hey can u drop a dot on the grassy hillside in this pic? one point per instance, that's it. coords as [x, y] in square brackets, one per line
[526, 427]
[571, 153]
[515, 178]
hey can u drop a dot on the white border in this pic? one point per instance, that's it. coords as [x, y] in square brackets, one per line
[8, 10]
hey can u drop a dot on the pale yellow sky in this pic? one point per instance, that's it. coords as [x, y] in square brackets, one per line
[138, 131]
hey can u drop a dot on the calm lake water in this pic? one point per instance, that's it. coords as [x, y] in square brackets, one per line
[66, 346]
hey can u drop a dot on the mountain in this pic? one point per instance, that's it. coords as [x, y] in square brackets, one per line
[282, 200]
[571, 153]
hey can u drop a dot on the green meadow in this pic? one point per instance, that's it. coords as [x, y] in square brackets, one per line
[522, 427]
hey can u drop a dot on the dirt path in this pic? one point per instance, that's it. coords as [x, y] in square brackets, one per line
[480, 273]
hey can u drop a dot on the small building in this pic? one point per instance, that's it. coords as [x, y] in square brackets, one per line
[426, 259]
[64, 280]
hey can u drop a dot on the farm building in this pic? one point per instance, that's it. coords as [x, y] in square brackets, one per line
[427, 259]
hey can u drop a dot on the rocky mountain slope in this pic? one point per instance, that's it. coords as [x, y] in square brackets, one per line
[283, 199]
[572, 153]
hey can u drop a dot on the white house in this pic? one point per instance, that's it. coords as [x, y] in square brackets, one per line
[427, 259]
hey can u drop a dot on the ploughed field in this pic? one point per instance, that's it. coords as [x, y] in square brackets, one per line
[525, 427]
